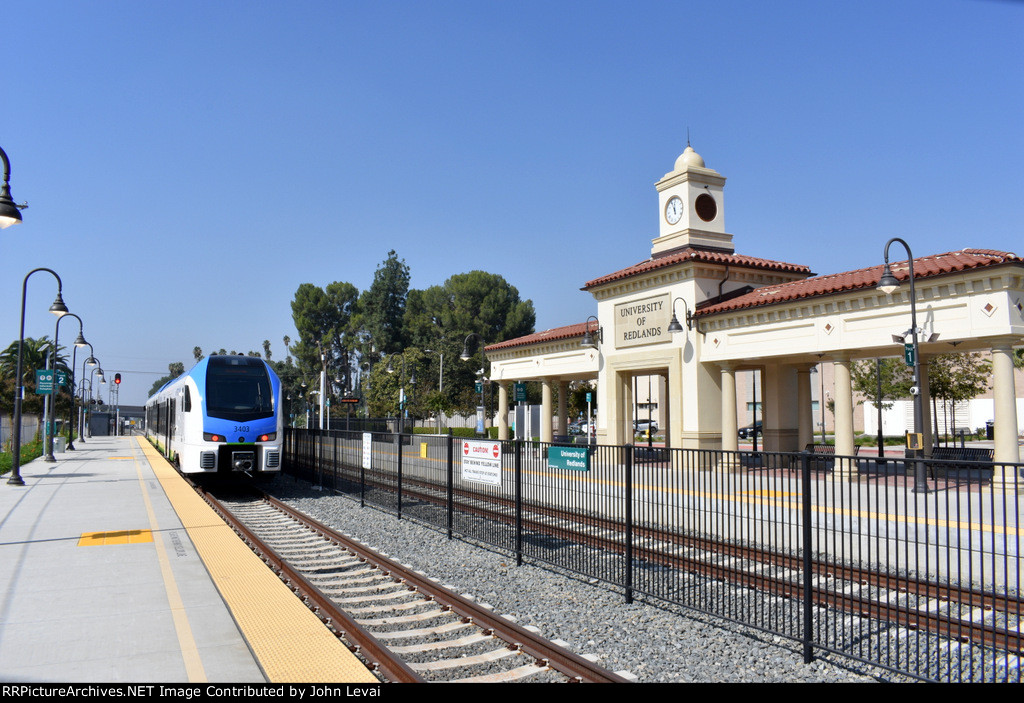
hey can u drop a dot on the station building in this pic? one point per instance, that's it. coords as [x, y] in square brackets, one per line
[735, 313]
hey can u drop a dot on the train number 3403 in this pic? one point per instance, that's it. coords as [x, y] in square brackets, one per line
[241, 428]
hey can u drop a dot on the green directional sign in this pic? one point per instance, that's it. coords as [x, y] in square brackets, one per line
[572, 458]
[62, 378]
[908, 354]
[520, 392]
[44, 382]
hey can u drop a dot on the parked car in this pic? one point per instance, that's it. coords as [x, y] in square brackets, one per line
[748, 431]
[642, 426]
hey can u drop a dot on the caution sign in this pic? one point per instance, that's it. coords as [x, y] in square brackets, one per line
[481, 462]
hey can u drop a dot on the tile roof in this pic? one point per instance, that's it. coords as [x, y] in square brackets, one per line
[924, 267]
[556, 333]
[700, 255]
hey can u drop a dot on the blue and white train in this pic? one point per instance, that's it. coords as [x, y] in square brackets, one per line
[223, 415]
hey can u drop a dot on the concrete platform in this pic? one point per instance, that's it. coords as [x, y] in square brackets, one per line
[113, 570]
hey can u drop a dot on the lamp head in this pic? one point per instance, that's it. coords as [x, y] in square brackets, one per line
[9, 212]
[59, 308]
[589, 341]
[888, 283]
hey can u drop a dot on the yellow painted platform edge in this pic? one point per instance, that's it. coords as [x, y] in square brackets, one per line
[290, 642]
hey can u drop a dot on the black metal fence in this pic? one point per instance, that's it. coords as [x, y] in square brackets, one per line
[909, 564]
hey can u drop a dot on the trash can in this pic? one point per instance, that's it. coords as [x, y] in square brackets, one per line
[59, 444]
[990, 432]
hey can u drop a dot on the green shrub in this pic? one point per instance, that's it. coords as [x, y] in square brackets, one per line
[29, 451]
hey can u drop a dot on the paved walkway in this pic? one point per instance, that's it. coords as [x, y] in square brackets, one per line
[113, 571]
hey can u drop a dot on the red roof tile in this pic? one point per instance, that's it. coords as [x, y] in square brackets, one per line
[700, 255]
[566, 332]
[924, 267]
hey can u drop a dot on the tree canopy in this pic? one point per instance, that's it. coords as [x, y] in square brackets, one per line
[361, 333]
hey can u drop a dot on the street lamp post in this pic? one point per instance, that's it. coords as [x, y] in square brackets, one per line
[79, 342]
[90, 362]
[50, 415]
[58, 308]
[440, 381]
[888, 285]
[401, 391]
[466, 356]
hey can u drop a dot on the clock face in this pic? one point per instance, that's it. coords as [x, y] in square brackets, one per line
[673, 210]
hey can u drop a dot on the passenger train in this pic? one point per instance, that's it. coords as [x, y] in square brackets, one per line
[223, 415]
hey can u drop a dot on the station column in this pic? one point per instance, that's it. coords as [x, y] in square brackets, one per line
[844, 416]
[546, 411]
[1006, 445]
[730, 432]
[502, 410]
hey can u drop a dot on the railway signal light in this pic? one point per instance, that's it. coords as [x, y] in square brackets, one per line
[117, 378]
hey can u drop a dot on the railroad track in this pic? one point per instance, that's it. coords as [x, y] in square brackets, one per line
[961, 614]
[406, 627]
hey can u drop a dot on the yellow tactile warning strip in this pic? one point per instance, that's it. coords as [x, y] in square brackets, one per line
[91, 539]
[291, 644]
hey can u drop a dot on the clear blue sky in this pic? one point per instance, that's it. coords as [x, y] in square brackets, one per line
[188, 164]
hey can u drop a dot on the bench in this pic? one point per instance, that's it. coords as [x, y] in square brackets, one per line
[967, 462]
[826, 450]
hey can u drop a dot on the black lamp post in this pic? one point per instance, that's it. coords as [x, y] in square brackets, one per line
[466, 356]
[888, 285]
[50, 418]
[9, 211]
[79, 342]
[90, 362]
[401, 392]
[58, 308]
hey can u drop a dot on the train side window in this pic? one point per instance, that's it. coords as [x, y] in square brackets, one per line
[186, 405]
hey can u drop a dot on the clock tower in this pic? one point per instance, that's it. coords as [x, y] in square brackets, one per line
[691, 207]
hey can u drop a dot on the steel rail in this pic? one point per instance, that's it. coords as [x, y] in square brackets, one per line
[911, 617]
[558, 658]
[343, 625]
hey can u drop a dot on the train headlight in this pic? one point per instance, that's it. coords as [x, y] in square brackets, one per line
[267, 437]
[210, 437]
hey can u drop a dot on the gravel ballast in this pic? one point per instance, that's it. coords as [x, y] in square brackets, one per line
[651, 641]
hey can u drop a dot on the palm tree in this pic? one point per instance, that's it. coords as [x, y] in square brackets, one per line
[33, 356]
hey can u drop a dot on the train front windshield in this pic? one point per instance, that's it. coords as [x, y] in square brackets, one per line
[238, 389]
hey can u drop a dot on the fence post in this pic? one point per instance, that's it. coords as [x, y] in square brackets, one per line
[518, 447]
[805, 489]
[399, 438]
[629, 523]
[362, 476]
[451, 483]
[334, 465]
[319, 459]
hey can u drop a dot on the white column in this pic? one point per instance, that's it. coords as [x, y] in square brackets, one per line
[502, 410]
[730, 438]
[1005, 396]
[843, 394]
[926, 409]
[546, 411]
[563, 407]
